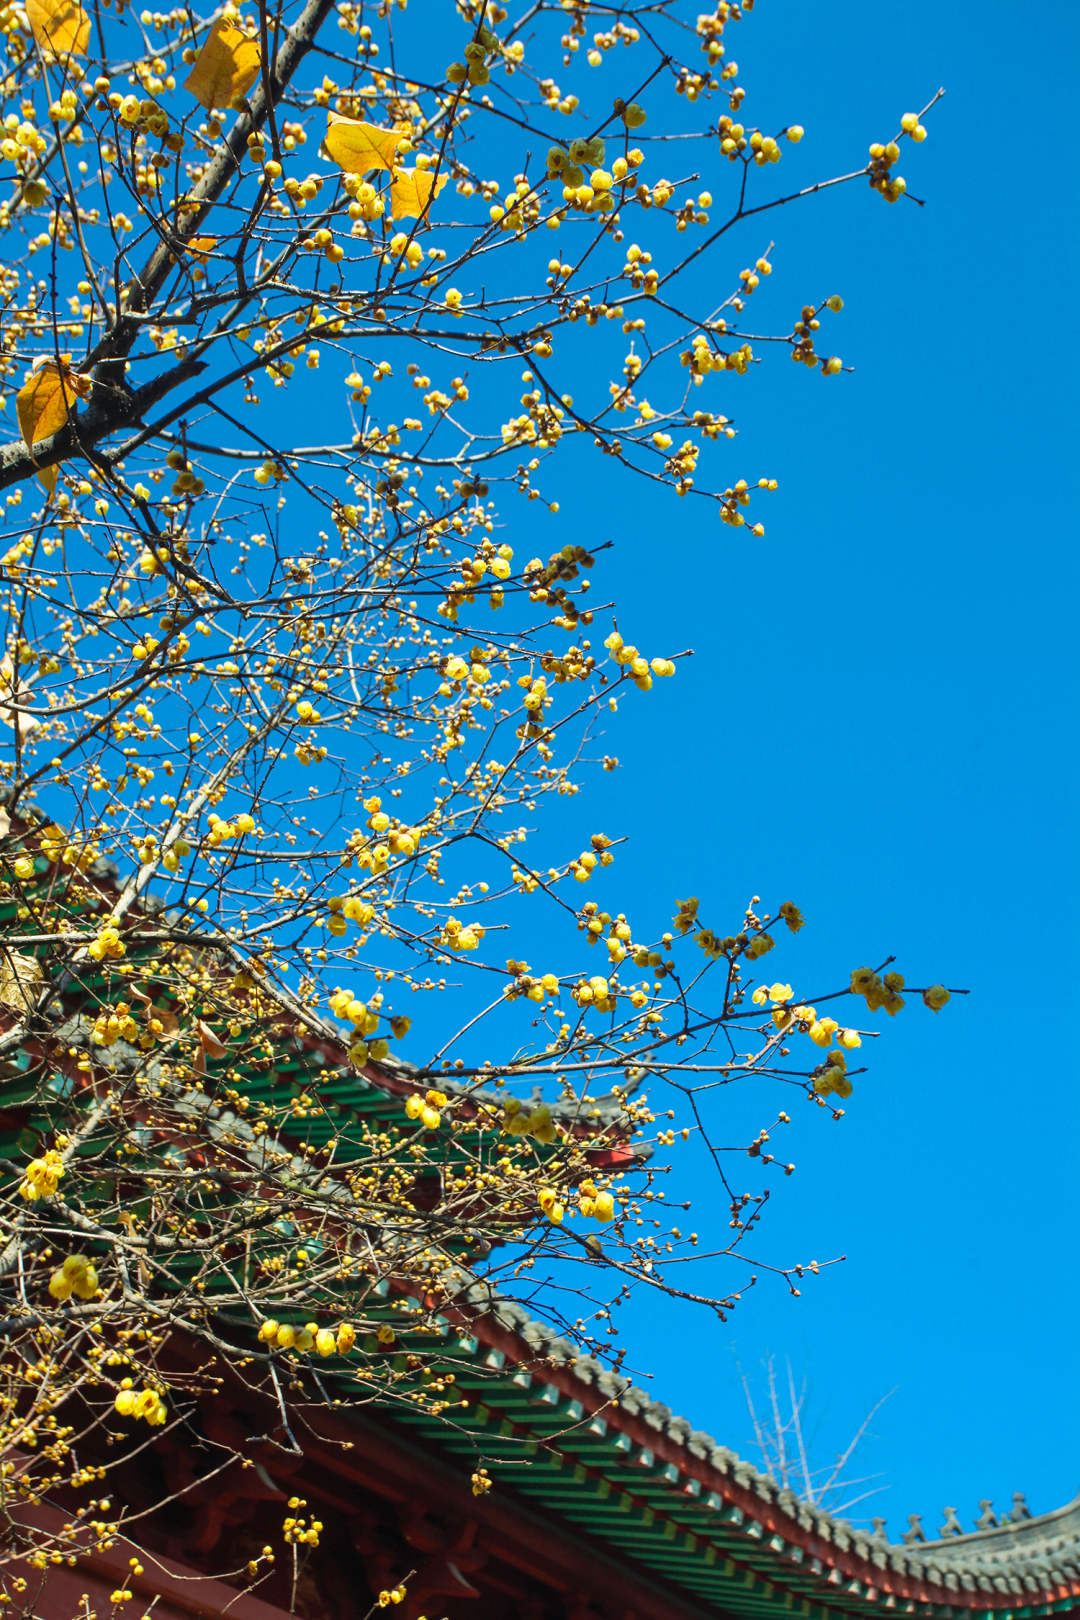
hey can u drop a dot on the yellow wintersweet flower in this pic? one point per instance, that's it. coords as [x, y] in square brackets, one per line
[865, 982]
[821, 1033]
[686, 916]
[833, 1080]
[42, 1177]
[833, 1077]
[548, 1200]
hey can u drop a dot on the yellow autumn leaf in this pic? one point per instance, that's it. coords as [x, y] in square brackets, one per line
[410, 192]
[59, 25]
[227, 66]
[43, 405]
[357, 147]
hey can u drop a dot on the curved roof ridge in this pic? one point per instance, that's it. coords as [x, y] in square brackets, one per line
[589, 1370]
[1048, 1537]
[1011, 1536]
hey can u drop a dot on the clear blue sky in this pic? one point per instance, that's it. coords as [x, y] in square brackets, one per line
[917, 594]
[895, 750]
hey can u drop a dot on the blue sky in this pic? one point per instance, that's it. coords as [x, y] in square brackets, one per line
[878, 723]
[897, 758]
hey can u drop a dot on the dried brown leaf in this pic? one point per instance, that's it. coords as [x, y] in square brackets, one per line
[21, 979]
[210, 1043]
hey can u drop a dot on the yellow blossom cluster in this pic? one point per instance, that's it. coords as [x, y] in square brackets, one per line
[537, 1122]
[298, 782]
[146, 1404]
[878, 992]
[42, 1177]
[108, 943]
[638, 665]
[833, 1078]
[552, 1206]
[585, 864]
[883, 155]
[115, 1024]
[77, 1275]
[596, 1206]
[427, 1108]
[299, 1530]
[458, 936]
[327, 1341]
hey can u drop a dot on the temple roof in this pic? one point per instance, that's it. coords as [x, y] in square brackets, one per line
[1013, 1554]
[579, 1441]
[582, 1445]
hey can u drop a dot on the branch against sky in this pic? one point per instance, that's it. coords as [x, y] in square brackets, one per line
[285, 715]
[785, 1447]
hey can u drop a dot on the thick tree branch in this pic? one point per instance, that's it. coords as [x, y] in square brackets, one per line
[115, 406]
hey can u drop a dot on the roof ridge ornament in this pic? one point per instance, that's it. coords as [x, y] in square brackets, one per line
[952, 1525]
[916, 1532]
